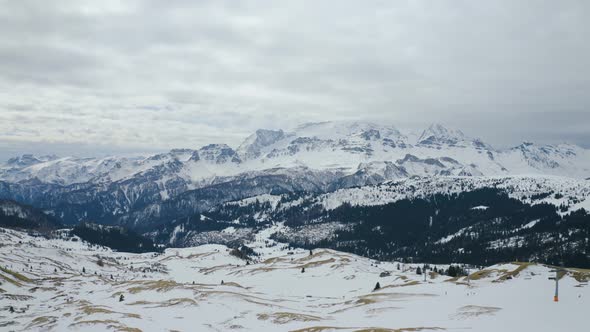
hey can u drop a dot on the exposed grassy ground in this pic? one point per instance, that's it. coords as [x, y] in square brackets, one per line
[167, 303]
[475, 311]
[581, 275]
[287, 317]
[42, 322]
[107, 324]
[14, 282]
[15, 275]
[521, 267]
[484, 273]
[155, 285]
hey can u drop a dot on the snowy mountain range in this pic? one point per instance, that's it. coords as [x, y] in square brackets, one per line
[346, 147]
[314, 157]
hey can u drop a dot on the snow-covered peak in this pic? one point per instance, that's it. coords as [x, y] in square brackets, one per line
[251, 147]
[345, 129]
[437, 134]
[563, 149]
[219, 154]
[551, 158]
[337, 145]
[28, 160]
[387, 169]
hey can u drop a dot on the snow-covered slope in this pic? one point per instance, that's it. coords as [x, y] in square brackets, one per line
[573, 194]
[64, 285]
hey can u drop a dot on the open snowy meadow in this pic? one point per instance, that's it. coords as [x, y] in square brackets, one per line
[59, 285]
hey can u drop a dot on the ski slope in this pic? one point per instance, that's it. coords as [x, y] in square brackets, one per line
[182, 290]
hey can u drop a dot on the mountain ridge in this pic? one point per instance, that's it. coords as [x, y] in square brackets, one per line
[344, 145]
[143, 192]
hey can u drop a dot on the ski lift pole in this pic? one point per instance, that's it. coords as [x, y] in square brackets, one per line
[556, 278]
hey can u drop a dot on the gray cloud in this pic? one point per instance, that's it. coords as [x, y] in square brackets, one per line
[152, 75]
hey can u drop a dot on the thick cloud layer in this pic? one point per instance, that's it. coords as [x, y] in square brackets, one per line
[110, 76]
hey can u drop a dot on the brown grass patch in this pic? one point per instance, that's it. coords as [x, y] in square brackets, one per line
[581, 275]
[511, 274]
[209, 270]
[16, 297]
[128, 329]
[470, 311]
[154, 285]
[484, 273]
[409, 283]
[316, 263]
[316, 254]
[16, 275]
[234, 284]
[454, 279]
[273, 260]
[379, 297]
[287, 317]
[14, 282]
[110, 324]
[90, 310]
[168, 303]
[42, 321]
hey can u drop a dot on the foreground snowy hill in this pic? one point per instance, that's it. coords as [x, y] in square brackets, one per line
[66, 285]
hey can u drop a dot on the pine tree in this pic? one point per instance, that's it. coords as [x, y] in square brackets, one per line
[418, 270]
[83, 270]
[121, 298]
[377, 286]
[302, 270]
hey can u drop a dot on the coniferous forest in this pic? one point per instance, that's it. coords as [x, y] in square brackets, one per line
[480, 227]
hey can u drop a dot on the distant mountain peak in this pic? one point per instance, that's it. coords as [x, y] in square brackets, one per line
[251, 147]
[28, 159]
[437, 135]
[219, 153]
[346, 129]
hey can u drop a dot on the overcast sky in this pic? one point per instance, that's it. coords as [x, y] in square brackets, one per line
[96, 77]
